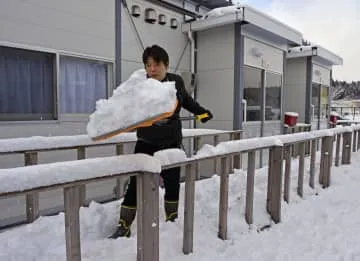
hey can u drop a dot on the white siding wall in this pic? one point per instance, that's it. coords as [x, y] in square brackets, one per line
[215, 69]
[321, 74]
[260, 55]
[81, 26]
[173, 40]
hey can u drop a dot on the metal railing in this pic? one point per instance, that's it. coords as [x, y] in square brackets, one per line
[148, 205]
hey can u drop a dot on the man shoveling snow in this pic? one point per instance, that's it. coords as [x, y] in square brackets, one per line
[164, 134]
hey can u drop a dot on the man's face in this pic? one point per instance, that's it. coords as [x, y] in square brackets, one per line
[155, 70]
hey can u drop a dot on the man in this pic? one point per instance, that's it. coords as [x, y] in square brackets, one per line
[162, 135]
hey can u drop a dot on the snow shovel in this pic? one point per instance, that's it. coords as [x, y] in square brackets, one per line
[144, 123]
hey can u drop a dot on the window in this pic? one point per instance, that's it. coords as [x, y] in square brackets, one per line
[273, 96]
[252, 93]
[82, 83]
[26, 85]
[324, 102]
[315, 100]
[320, 102]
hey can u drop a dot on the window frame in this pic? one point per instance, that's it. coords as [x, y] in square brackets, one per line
[110, 84]
[57, 54]
[263, 94]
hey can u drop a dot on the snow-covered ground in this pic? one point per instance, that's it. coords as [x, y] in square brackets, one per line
[325, 225]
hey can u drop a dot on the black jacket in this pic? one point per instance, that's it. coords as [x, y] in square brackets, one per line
[169, 132]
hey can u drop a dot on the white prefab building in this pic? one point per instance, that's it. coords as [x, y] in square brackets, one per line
[308, 81]
[241, 55]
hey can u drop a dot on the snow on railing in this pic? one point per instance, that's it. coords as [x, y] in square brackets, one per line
[33, 179]
[44, 143]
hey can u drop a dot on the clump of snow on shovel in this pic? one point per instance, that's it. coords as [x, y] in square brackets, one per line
[134, 101]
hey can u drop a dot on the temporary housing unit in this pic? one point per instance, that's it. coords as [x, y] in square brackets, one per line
[74, 49]
[308, 81]
[240, 60]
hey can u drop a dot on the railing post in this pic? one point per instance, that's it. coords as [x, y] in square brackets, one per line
[250, 187]
[346, 152]
[312, 163]
[188, 237]
[32, 199]
[215, 142]
[275, 182]
[81, 154]
[358, 141]
[148, 217]
[72, 224]
[119, 151]
[300, 188]
[354, 141]
[197, 147]
[224, 194]
[326, 161]
[287, 176]
[337, 152]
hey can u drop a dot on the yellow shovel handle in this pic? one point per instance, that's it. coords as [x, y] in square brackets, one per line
[202, 116]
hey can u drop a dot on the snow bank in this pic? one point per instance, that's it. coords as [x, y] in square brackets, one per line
[135, 100]
[23, 178]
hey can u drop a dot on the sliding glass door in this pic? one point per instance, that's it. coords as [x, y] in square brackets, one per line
[320, 104]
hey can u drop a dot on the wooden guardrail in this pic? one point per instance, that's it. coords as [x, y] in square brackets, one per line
[32, 179]
[31, 146]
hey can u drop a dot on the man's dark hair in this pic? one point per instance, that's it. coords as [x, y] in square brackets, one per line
[157, 53]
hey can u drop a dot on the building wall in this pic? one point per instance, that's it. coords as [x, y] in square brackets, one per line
[86, 29]
[215, 70]
[82, 26]
[295, 87]
[173, 40]
[260, 55]
[321, 74]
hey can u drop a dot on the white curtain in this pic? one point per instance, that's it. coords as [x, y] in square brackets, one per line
[26, 84]
[82, 83]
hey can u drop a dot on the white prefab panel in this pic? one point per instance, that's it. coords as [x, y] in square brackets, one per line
[295, 87]
[216, 49]
[251, 129]
[173, 40]
[215, 70]
[260, 55]
[272, 128]
[216, 92]
[321, 75]
[79, 26]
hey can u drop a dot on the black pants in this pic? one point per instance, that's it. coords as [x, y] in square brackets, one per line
[171, 177]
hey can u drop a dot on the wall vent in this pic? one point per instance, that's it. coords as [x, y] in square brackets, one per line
[150, 15]
[162, 19]
[135, 11]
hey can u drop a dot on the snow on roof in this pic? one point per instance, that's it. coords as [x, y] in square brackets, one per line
[240, 13]
[314, 50]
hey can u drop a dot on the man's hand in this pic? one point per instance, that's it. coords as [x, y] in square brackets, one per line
[207, 116]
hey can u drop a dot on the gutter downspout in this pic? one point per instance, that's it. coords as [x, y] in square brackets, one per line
[192, 71]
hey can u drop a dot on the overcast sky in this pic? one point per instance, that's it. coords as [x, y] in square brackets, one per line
[335, 25]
